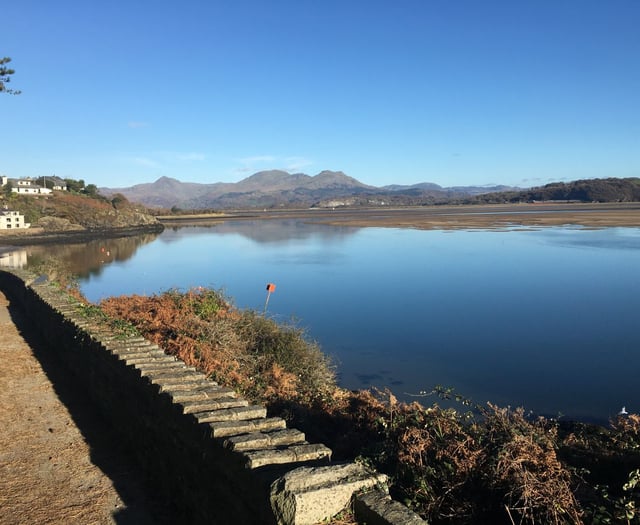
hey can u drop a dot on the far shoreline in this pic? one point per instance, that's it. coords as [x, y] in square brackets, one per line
[441, 217]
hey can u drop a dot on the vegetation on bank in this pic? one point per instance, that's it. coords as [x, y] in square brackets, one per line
[471, 465]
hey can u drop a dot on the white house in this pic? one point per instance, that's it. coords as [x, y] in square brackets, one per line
[11, 220]
[26, 186]
[58, 183]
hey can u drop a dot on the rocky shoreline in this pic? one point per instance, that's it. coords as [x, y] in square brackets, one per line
[40, 236]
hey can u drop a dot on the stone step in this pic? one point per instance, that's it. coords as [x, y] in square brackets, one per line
[221, 429]
[132, 351]
[135, 339]
[202, 394]
[65, 309]
[315, 494]
[135, 348]
[290, 454]
[262, 440]
[127, 343]
[162, 367]
[157, 376]
[148, 357]
[127, 348]
[97, 335]
[211, 405]
[122, 350]
[161, 364]
[231, 414]
[183, 384]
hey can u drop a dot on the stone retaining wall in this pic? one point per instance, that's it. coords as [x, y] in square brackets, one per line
[220, 459]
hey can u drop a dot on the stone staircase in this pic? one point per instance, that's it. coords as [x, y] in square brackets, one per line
[292, 479]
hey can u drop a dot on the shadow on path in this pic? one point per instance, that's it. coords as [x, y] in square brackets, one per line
[141, 504]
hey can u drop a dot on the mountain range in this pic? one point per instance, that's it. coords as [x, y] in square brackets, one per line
[276, 188]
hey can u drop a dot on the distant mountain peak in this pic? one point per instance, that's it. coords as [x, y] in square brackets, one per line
[166, 181]
[267, 174]
[279, 188]
[325, 173]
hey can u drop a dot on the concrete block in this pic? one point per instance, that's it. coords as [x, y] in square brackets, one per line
[210, 391]
[233, 428]
[138, 352]
[183, 384]
[163, 365]
[193, 407]
[309, 495]
[291, 454]
[258, 440]
[232, 414]
[171, 373]
[156, 356]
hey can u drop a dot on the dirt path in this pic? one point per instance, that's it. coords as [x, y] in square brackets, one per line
[58, 462]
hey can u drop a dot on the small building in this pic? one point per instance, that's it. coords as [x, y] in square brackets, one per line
[12, 220]
[58, 183]
[27, 186]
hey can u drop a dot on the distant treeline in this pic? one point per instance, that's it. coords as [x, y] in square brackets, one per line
[587, 190]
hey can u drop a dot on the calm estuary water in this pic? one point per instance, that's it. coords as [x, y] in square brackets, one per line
[546, 319]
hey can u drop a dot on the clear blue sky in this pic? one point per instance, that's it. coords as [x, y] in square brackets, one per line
[405, 91]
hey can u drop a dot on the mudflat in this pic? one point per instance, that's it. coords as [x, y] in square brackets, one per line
[489, 216]
[594, 215]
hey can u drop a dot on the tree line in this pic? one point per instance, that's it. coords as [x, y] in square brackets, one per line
[586, 190]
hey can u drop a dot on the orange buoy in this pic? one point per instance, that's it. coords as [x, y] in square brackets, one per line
[270, 288]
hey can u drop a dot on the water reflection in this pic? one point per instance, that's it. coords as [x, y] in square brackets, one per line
[14, 259]
[267, 232]
[81, 259]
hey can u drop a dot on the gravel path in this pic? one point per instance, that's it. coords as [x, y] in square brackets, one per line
[59, 462]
